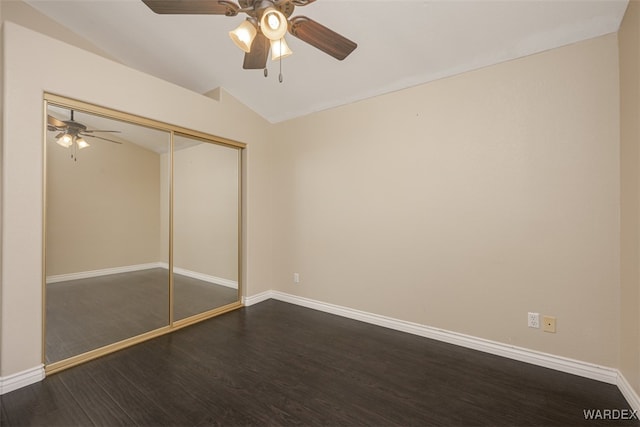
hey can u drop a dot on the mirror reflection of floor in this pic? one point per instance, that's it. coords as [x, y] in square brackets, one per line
[86, 314]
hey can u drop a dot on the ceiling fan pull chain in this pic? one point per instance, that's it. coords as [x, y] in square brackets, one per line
[280, 75]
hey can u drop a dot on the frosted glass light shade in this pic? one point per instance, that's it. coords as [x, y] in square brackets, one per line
[243, 35]
[273, 24]
[279, 49]
[65, 140]
[82, 143]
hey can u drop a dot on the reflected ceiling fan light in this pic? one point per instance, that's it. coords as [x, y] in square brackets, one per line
[280, 49]
[82, 143]
[243, 35]
[66, 140]
[273, 23]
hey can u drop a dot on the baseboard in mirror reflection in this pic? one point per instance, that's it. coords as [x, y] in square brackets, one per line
[139, 267]
[206, 277]
[558, 363]
[102, 272]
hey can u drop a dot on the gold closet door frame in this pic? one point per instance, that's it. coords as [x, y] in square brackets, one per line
[172, 130]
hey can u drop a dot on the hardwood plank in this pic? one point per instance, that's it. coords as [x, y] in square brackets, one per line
[4, 419]
[168, 388]
[47, 403]
[135, 403]
[96, 402]
[168, 376]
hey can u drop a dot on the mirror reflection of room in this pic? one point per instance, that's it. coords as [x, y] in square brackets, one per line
[127, 217]
[106, 192]
[205, 226]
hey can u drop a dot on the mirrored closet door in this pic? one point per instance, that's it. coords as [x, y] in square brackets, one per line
[205, 226]
[142, 229]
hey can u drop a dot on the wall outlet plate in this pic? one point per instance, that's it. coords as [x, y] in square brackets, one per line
[533, 320]
[549, 324]
[296, 278]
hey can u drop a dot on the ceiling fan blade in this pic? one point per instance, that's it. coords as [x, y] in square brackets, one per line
[96, 130]
[302, 2]
[99, 137]
[53, 122]
[256, 59]
[319, 36]
[193, 7]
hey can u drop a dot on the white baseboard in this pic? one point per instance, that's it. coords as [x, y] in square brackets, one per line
[206, 278]
[628, 392]
[21, 379]
[257, 298]
[103, 272]
[558, 363]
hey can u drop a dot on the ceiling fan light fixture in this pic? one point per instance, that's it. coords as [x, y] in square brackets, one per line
[243, 35]
[280, 49]
[273, 23]
[82, 143]
[66, 140]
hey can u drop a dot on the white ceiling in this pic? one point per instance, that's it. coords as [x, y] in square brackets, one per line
[400, 44]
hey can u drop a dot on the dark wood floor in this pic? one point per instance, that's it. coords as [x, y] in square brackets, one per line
[86, 314]
[278, 364]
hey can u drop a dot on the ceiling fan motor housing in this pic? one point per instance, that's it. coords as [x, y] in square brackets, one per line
[74, 127]
[256, 8]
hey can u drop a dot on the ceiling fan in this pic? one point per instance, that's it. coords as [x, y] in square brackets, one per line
[265, 27]
[72, 132]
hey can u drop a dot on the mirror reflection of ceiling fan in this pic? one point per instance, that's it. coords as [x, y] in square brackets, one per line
[264, 28]
[72, 132]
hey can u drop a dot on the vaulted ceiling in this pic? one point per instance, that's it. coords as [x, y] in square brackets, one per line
[400, 44]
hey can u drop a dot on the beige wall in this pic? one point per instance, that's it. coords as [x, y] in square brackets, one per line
[103, 211]
[205, 222]
[465, 203]
[23, 14]
[629, 42]
[98, 81]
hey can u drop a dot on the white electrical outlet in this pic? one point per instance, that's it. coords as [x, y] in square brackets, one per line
[296, 278]
[533, 320]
